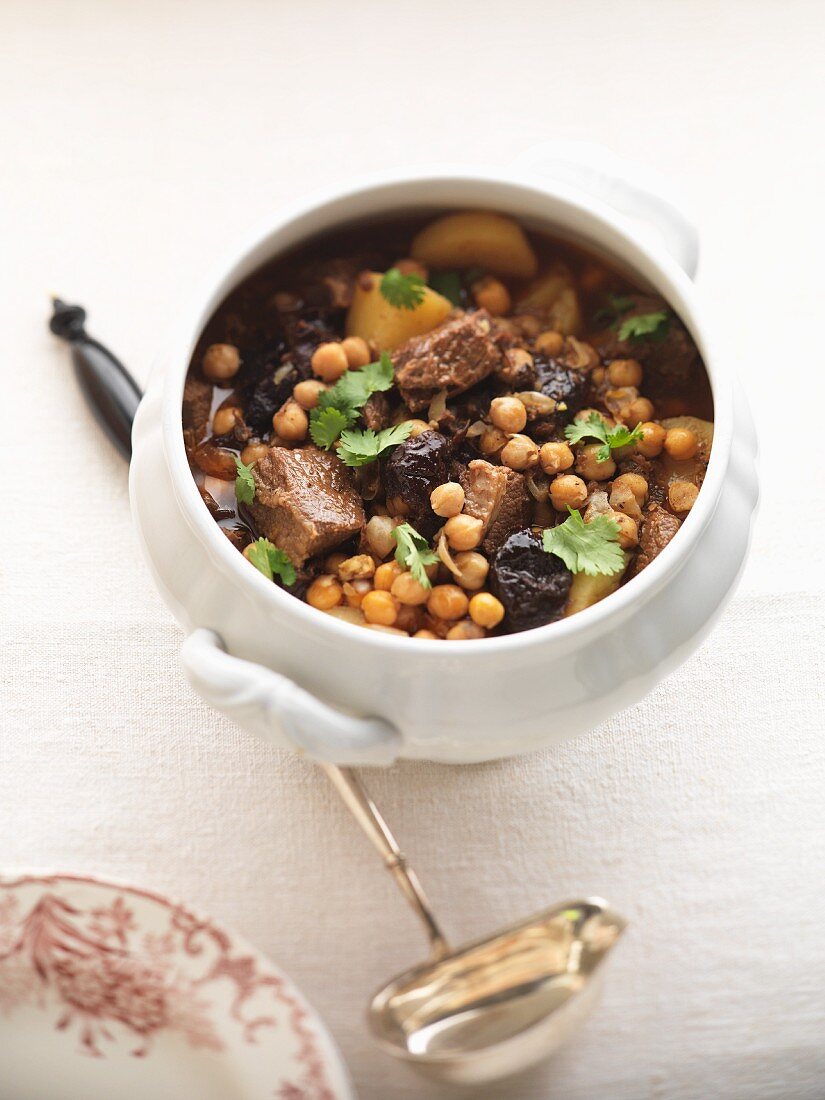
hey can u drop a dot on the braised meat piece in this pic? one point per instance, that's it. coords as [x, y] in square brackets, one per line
[197, 405]
[411, 473]
[453, 357]
[532, 585]
[657, 529]
[498, 497]
[305, 501]
[669, 356]
[376, 412]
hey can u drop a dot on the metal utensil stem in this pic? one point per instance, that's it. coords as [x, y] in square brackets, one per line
[366, 813]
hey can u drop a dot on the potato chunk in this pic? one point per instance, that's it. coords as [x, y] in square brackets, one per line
[476, 239]
[586, 590]
[553, 297]
[384, 326]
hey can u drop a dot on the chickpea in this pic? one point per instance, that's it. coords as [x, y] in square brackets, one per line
[639, 411]
[567, 489]
[380, 607]
[652, 441]
[428, 634]
[625, 372]
[635, 483]
[597, 376]
[518, 366]
[409, 618]
[465, 632]
[590, 467]
[386, 574]
[413, 267]
[549, 343]
[307, 393]
[329, 362]
[447, 500]
[357, 351]
[409, 591]
[325, 592]
[555, 457]
[253, 452]
[354, 591]
[463, 532]
[225, 420]
[447, 601]
[221, 362]
[291, 422]
[378, 532]
[333, 561]
[520, 453]
[486, 610]
[491, 441]
[358, 567]
[473, 569]
[491, 294]
[628, 530]
[418, 426]
[508, 413]
[681, 443]
[681, 495]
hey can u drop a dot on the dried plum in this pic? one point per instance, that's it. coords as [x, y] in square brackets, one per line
[412, 472]
[532, 584]
[564, 385]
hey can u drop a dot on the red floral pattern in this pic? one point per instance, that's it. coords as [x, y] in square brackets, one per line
[109, 981]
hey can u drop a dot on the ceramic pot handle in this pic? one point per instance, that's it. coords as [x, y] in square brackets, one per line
[277, 709]
[626, 187]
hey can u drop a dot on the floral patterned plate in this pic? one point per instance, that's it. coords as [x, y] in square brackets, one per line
[109, 991]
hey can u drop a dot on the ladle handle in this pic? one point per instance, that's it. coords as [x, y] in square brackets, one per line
[366, 813]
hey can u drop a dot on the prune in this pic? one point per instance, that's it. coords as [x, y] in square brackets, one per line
[412, 472]
[532, 584]
[570, 387]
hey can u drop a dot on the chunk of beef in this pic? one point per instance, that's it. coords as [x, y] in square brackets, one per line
[669, 356]
[498, 497]
[532, 584]
[412, 471]
[197, 405]
[658, 528]
[567, 387]
[305, 501]
[376, 412]
[453, 357]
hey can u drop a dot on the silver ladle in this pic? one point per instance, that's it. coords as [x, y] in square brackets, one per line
[493, 1007]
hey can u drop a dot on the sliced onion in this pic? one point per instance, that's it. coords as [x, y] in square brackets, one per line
[537, 402]
[281, 373]
[444, 554]
[476, 428]
[539, 484]
[438, 406]
[352, 615]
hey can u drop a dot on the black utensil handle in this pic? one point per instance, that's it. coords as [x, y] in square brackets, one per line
[111, 392]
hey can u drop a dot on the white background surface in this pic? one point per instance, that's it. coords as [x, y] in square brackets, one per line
[137, 139]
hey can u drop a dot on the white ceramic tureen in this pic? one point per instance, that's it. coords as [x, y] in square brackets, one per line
[340, 693]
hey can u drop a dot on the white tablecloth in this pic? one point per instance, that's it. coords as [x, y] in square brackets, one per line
[136, 140]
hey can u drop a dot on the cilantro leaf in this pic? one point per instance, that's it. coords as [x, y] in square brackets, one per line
[244, 482]
[271, 561]
[448, 285]
[654, 325]
[591, 548]
[593, 427]
[325, 425]
[361, 448]
[413, 551]
[621, 436]
[617, 306]
[402, 291]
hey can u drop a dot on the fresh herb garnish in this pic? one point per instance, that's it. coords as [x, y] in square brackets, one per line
[617, 306]
[413, 551]
[271, 561]
[591, 548]
[402, 291]
[448, 285]
[595, 428]
[339, 407]
[654, 325]
[244, 482]
[361, 448]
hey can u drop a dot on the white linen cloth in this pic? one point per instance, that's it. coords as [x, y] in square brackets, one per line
[138, 140]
